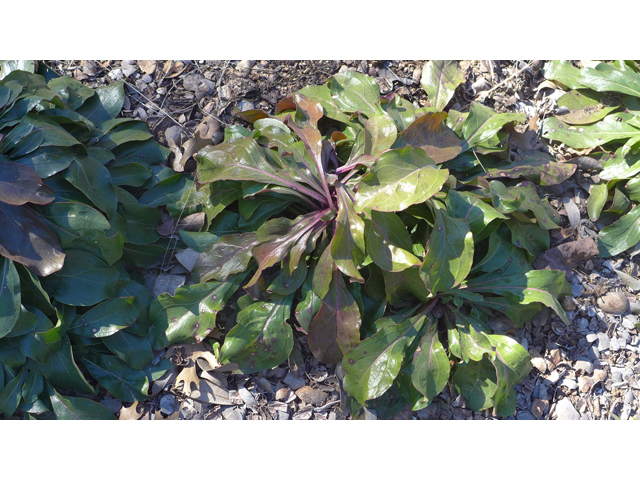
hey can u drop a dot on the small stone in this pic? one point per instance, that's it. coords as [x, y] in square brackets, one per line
[311, 395]
[588, 266]
[615, 303]
[115, 404]
[552, 379]
[247, 397]
[585, 384]
[459, 402]
[129, 67]
[566, 411]
[603, 341]
[430, 411]
[294, 382]
[245, 105]
[541, 392]
[629, 397]
[593, 353]
[168, 404]
[569, 383]
[540, 363]
[634, 308]
[599, 375]
[480, 85]
[245, 65]
[233, 413]
[283, 415]
[568, 303]
[526, 415]
[282, 394]
[614, 344]
[592, 337]
[538, 408]
[584, 365]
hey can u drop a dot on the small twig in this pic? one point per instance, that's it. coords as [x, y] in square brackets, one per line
[518, 72]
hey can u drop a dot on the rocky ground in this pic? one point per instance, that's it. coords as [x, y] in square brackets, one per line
[587, 370]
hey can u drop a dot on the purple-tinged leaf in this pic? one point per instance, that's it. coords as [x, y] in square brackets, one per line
[336, 327]
[538, 167]
[9, 296]
[25, 239]
[20, 185]
[323, 273]
[347, 248]
[432, 135]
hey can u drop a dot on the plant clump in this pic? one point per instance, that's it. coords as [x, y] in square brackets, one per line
[390, 235]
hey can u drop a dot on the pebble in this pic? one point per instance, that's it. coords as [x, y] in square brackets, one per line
[569, 383]
[614, 344]
[247, 397]
[168, 404]
[629, 321]
[311, 395]
[553, 378]
[603, 342]
[540, 363]
[566, 411]
[592, 337]
[539, 407]
[233, 413]
[282, 394]
[294, 382]
[593, 353]
[283, 415]
[526, 415]
[615, 303]
[585, 365]
[629, 397]
[585, 384]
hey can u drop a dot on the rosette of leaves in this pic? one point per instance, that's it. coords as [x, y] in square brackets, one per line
[603, 103]
[388, 234]
[77, 209]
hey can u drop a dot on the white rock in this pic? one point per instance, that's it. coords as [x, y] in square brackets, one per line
[566, 411]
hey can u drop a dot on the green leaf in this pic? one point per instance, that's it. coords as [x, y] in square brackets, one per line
[373, 364]
[94, 180]
[262, 337]
[483, 123]
[147, 152]
[430, 367]
[440, 78]
[398, 179]
[430, 133]
[335, 328]
[322, 95]
[118, 378]
[9, 296]
[538, 166]
[81, 227]
[542, 286]
[621, 235]
[12, 394]
[624, 163]
[598, 195]
[20, 184]
[61, 370]
[309, 305]
[26, 239]
[167, 191]
[449, 253]
[401, 111]
[470, 207]
[388, 242]
[47, 161]
[141, 223]
[379, 134]
[52, 133]
[584, 107]
[84, 280]
[73, 408]
[32, 345]
[190, 313]
[529, 236]
[606, 78]
[72, 92]
[105, 104]
[131, 174]
[348, 247]
[512, 363]
[229, 255]
[354, 92]
[476, 382]
[613, 127]
[134, 350]
[107, 317]
[563, 72]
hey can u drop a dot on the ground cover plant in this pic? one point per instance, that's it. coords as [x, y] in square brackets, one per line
[79, 189]
[390, 234]
[601, 120]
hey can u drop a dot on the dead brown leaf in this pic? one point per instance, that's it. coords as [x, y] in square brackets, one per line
[567, 256]
[172, 69]
[147, 66]
[130, 413]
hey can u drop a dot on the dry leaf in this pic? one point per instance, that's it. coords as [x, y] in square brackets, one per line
[192, 223]
[130, 413]
[573, 212]
[173, 416]
[172, 69]
[147, 66]
[188, 375]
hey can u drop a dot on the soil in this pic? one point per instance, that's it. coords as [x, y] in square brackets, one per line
[175, 96]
